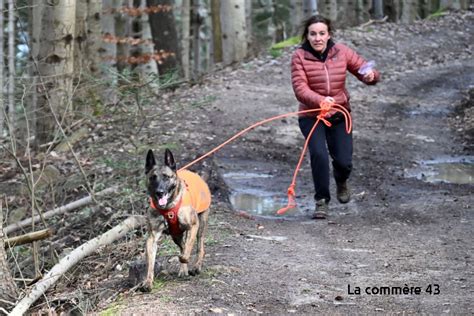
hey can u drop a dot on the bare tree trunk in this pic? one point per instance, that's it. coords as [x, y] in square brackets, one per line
[165, 37]
[11, 64]
[249, 25]
[73, 258]
[185, 28]
[332, 10]
[80, 37]
[409, 11]
[94, 36]
[56, 66]
[81, 60]
[34, 28]
[122, 31]
[206, 31]
[108, 53]
[8, 290]
[216, 31]
[378, 9]
[234, 32]
[141, 30]
[3, 111]
[196, 26]
[310, 7]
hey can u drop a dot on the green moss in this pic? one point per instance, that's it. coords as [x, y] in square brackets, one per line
[113, 309]
[436, 14]
[286, 43]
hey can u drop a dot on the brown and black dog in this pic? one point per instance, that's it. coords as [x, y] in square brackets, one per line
[182, 198]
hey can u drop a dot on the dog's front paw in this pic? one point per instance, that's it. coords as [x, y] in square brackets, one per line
[146, 286]
[183, 271]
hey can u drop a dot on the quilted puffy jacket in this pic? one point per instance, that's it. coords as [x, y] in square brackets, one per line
[313, 79]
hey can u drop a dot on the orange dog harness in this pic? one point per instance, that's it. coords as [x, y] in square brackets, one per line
[196, 194]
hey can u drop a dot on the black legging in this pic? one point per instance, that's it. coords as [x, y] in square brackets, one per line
[339, 144]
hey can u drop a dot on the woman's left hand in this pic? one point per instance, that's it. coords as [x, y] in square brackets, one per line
[332, 111]
[369, 77]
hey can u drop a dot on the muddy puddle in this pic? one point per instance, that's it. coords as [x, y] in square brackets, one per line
[259, 190]
[459, 170]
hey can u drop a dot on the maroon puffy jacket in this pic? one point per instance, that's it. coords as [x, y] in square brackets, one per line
[313, 79]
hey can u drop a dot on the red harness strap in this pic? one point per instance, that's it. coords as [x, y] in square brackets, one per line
[171, 216]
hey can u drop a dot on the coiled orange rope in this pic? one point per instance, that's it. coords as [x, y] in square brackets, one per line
[325, 108]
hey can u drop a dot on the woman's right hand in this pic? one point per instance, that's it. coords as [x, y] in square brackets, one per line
[369, 77]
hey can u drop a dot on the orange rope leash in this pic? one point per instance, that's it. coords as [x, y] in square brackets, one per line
[324, 109]
[326, 106]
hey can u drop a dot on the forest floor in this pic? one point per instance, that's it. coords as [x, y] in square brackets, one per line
[402, 228]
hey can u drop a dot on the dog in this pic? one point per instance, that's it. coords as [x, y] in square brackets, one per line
[180, 202]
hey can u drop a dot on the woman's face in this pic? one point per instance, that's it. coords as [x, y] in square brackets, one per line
[318, 36]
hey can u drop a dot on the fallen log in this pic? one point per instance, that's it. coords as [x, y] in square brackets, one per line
[73, 258]
[65, 208]
[27, 238]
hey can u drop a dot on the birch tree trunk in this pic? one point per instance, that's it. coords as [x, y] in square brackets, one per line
[165, 36]
[80, 37]
[11, 64]
[34, 28]
[8, 290]
[81, 60]
[94, 38]
[141, 30]
[108, 53]
[234, 34]
[122, 31]
[56, 66]
[185, 40]
[216, 31]
[73, 258]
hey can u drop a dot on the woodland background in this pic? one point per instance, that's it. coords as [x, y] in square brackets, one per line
[67, 64]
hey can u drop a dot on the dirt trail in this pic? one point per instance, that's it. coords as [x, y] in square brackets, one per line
[397, 231]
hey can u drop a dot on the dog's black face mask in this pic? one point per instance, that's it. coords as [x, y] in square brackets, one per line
[161, 182]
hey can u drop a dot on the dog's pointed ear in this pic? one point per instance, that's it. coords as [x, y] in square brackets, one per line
[150, 161]
[169, 160]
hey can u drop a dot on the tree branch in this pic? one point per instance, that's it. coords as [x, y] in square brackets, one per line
[73, 258]
[28, 238]
[65, 208]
